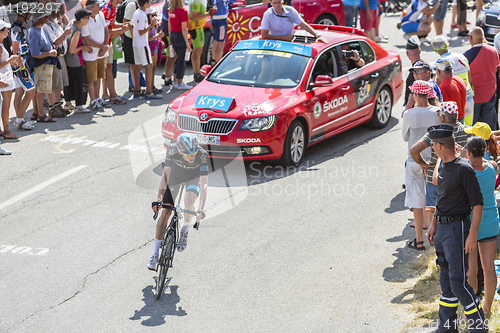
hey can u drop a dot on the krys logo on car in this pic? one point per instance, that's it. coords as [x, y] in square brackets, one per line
[213, 102]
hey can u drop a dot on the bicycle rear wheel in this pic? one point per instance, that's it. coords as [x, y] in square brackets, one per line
[166, 257]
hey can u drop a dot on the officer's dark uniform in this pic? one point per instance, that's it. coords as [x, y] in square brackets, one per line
[459, 191]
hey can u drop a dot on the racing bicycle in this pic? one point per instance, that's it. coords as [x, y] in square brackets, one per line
[169, 243]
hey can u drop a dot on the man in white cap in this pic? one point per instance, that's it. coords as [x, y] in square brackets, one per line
[415, 124]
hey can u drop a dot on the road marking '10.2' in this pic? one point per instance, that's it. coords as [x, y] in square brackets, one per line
[23, 250]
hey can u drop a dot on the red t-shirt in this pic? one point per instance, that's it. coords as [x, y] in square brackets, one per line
[177, 18]
[109, 15]
[454, 89]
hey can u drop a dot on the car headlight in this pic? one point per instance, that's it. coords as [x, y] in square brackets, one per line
[258, 124]
[170, 115]
[481, 17]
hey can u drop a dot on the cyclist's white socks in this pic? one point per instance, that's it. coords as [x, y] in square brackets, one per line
[157, 247]
[185, 228]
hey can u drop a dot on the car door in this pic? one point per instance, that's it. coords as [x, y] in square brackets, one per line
[328, 105]
[364, 80]
[243, 22]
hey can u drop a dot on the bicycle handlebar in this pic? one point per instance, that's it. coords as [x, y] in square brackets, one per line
[159, 204]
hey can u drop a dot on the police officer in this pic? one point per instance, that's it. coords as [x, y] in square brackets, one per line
[452, 232]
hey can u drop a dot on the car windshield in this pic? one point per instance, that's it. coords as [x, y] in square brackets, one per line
[260, 68]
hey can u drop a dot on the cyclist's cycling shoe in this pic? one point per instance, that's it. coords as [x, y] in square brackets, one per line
[182, 241]
[152, 262]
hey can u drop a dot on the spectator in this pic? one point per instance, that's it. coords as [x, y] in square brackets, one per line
[278, 23]
[483, 62]
[197, 18]
[169, 51]
[413, 54]
[368, 17]
[23, 75]
[379, 38]
[453, 88]
[177, 25]
[115, 29]
[415, 124]
[460, 66]
[448, 114]
[412, 24]
[351, 11]
[128, 48]
[488, 229]
[439, 16]
[58, 37]
[422, 71]
[219, 25]
[6, 75]
[454, 24]
[77, 88]
[154, 46]
[43, 60]
[462, 18]
[142, 53]
[96, 34]
[483, 130]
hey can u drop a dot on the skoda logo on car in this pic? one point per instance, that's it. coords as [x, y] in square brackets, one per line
[204, 116]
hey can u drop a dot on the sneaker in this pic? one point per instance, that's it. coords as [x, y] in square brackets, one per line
[163, 76]
[378, 39]
[118, 100]
[168, 82]
[4, 151]
[181, 246]
[182, 86]
[156, 90]
[103, 103]
[424, 40]
[153, 262]
[68, 107]
[152, 95]
[81, 109]
[105, 98]
[198, 77]
[60, 109]
[54, 113]
[138, 94]
[454, 26]
[464, 33]
[95, 106]
[406, 36]
[25, 125]
[131, 89]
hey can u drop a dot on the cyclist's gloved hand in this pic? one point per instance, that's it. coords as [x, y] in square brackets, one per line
[155, 205]
[200, 213]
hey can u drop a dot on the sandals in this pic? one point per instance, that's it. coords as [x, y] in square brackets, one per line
[45, 119]
[34, 117]
[413, 244]
[413, 226]
[7, 135]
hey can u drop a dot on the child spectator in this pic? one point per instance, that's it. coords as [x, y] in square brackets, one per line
[154, 46]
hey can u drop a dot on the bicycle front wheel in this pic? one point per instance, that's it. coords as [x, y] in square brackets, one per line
[166, 258]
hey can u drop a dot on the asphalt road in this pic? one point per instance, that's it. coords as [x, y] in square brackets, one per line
[320, 248]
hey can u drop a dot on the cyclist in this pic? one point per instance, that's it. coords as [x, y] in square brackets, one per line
[186, 163]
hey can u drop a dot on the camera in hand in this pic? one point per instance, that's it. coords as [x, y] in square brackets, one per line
[349, 54]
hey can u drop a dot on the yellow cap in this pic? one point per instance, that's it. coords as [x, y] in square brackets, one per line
[480, 129]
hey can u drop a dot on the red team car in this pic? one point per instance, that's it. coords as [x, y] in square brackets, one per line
[269, 100]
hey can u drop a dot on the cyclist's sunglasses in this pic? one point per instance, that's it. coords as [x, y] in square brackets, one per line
[189, 155]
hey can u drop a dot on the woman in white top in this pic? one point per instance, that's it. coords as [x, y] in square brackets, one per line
[6, 75]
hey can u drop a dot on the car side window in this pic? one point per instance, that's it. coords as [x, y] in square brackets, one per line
[346, 64]
[367, 53]
[326, 64]
[253, 2]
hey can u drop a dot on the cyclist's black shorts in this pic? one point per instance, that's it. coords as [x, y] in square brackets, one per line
[172, 191]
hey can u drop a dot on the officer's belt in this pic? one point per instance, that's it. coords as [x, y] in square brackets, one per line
[444, 219]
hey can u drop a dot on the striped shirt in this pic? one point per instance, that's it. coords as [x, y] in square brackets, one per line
[460, 138]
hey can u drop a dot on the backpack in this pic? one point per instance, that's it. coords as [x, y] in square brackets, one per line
[120, 10]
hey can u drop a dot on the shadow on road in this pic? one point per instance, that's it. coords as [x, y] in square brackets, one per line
[154, 311]
[397, 204]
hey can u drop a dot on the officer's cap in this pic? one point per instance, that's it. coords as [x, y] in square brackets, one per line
[440, 131]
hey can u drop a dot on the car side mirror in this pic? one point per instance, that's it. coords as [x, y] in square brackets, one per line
[205, 70]
[322, 81]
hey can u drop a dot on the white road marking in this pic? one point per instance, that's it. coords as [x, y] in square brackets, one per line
[40, 186]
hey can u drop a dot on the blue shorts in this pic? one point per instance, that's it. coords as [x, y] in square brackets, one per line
[220, 29]
[409, 27]
[431, 193]
[441, 11]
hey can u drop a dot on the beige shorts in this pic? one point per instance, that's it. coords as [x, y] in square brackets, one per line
[95, 69]
[43, 78]
[109, 59]
[415, 185]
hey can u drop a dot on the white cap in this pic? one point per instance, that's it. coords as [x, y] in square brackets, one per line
[4, 24]
[149, 11]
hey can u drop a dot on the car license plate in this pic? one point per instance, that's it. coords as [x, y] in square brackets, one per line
[208, 139]
[493, 31]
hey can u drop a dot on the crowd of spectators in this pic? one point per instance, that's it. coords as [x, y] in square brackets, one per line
[467, 86]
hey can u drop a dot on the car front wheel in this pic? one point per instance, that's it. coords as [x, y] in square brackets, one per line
[295, 145]
[382, 110]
